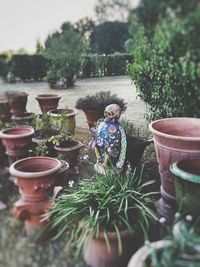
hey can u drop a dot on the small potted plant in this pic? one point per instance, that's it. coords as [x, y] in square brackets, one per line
[47, 101]
[105, 216]
[94, 105]
[17, 102]
[69, 148]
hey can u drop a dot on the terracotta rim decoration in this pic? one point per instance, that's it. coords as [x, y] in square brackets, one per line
[15, 132]
[58, 112]
[72, 148]
[48, 96]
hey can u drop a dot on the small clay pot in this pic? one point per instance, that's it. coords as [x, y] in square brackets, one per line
[96, 253]
[70, 121]
[18, 105]
[17, 140]
[23, 119]
[48, 102]
[92, 117]
[36, 177]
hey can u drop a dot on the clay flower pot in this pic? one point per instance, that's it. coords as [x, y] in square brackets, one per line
[69, 115]
[187, 183]
[175, 139]
[70, 151]
[96, 253]
[92, 117]
[4, 110]
[17, 140]
[48, 101]
[23, 119]
[62, 178]
[18, 104]
[35, 177]
[140, 257]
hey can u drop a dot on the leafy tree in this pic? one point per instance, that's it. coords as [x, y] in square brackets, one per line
[39, 47]
[64, 50]
[109, 37]
[85, 27]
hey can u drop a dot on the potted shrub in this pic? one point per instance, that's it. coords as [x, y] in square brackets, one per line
[17, 102]
[64, 118]
[47, 101]
[94, 105]
[105, 216]
[187, 184]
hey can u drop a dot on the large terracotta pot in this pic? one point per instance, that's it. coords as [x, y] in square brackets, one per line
[174, 139]
[70, 154]
[69, 115]
[17, 140]
[96, 253]
[48, 101]
[18, 105]
[140, 257]
[36, 177]
[92, 117]
[187, 183]
[23, 119]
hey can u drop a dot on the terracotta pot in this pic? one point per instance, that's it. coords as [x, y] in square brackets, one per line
[187, 183]
[4, 110]
[48, 101]
[96, 253]
[70, 154]
[174, 139]
[70, 121]
[18, 106]
[23, 119]
[62, 174]
[36, 177]
[32, 214]
[17, 140]
[140, 257]
[92, 117]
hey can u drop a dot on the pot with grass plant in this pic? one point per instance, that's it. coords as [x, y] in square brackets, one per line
[48, 101]
[17, 102]
[187, 185]
[64, 118]
[94, 105]
[105, 216]
[69, 148]
[175, 139]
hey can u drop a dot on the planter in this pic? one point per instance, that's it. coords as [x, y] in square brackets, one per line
[48, 101]
[4, 110]
[62, 178]
[36, 177]
[187, 183]
[70, 152]
[23, 119]
[140, 257]
[92, 117]
[18, 105]
[17, 141]
[69, 117]
[96, 253]
[175, 139]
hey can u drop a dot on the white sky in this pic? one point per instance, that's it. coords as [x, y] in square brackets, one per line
[22, 22]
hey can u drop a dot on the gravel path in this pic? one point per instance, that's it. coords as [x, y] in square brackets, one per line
[122, 86]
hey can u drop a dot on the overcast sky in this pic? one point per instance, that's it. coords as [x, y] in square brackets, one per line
[22, 22]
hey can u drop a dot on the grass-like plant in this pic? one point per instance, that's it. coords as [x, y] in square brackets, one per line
[105, 204]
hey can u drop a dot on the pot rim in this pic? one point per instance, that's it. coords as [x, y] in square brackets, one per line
[170, 136]
[138, 259]
[48, 96]
[5, 135]
[187, 176]
[22, 174]
[26, 115]
[72, 111]
[77, 146]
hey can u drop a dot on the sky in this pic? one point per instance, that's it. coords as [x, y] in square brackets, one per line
[22, 22]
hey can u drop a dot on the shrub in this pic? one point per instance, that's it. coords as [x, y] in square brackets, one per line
[166, 69]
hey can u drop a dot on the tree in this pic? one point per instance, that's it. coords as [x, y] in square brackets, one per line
[111, 10]
[84, 27]
[39, 47]
[109, 37]
[64, 50]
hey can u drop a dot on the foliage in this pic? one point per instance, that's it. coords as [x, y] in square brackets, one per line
[44, 122]
[84, 27]
[99, 101]
[61, 138]
[109, 37]
[166, 68]
[103, 204]
[4, 66]
[63, 49]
